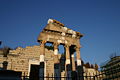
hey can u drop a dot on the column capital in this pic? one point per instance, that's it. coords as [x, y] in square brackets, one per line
[43, 42]
[55, 45]
[67, 45]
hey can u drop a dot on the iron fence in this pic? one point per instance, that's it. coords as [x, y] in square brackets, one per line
[63, 78]
[97, 76]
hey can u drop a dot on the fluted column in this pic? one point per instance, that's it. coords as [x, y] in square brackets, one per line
[68, 66]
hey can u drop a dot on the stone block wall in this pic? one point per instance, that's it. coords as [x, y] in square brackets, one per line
[20, 58]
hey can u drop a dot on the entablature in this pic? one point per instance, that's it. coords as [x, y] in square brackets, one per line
[57, 32]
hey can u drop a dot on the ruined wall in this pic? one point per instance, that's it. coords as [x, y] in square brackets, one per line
[20, 59]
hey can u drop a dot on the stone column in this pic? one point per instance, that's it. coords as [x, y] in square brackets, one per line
[42, 53]
[67, 54]
[78, 56]
[56, 52]
[73, 63]
[56, 62]
[79, 66]
[42, 69]
[68, 67]
[74, 73]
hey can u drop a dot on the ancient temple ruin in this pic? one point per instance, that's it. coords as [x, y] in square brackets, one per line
[40, 61]
[56, 33]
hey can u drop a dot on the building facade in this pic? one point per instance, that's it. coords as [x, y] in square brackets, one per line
[111, 69]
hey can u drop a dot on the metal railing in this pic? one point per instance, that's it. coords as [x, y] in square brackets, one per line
[101, 76]
[110, 74]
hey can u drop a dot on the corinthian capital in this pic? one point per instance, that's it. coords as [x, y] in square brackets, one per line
[67, 45]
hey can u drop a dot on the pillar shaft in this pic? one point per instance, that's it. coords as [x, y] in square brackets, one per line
[56, 48]
[78, 56]
[56, 61]
[67, 54]
[79, 66]
[73, 63]
[74, 72]
[56, 57]
[68, 66]
[42, 53]
[42, 69]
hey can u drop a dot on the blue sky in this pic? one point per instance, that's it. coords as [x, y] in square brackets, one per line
[21, 21]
